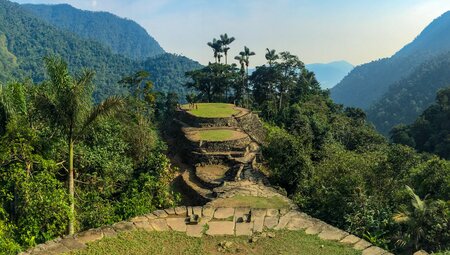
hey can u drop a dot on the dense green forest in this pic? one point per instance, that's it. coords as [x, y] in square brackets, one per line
[52, 136]
[367, 83]
[330, 160]
[29, 39]
[123, 36]
[431, 131]
[407, 99]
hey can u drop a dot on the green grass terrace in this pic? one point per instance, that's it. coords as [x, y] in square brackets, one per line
[211, 110]
[215, 134]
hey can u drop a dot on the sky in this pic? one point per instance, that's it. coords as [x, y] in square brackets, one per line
[318, 31]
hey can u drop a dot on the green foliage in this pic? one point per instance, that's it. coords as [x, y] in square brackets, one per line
[123, 36]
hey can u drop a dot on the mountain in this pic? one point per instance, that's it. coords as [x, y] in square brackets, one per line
[123, 36]
[25, 40]
[367, 83]
[408, 98]
[330, 74]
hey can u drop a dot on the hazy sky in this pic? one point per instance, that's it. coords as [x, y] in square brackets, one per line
[316, 30]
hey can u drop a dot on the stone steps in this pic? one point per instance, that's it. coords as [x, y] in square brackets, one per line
[193, 183]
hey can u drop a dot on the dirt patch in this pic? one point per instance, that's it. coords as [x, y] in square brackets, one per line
[211, 173]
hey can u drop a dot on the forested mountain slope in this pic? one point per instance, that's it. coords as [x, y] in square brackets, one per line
[367, 83]
[25, 40]
[123, 36]
[407, 99]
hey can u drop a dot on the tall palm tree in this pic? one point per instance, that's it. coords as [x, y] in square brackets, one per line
[241, 60]
[271, 56]
[216, 46]
[247, 53]
[68, 106]
[225, 42]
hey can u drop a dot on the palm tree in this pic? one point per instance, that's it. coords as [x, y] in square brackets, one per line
[247, 54]
[271, 56]
[241, 60]
[225, 42]
[216, 46]
[414, 217]
[68, 106]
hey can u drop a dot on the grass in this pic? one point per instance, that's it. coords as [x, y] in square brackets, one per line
[212, 110]
[253, 202]
[162, 243]
[215, 135]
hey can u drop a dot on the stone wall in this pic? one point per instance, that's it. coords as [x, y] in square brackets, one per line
[207, 220]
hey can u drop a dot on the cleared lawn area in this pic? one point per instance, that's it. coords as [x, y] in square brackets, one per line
[249, 201]
[162, 243]
[212, 110]
[216, 135]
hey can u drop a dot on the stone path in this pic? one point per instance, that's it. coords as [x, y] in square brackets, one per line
[207, 220]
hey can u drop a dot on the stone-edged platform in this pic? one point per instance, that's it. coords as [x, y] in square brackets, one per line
[211, 221]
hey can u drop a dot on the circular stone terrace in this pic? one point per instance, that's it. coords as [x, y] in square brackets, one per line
[215, 134]
[214, 110]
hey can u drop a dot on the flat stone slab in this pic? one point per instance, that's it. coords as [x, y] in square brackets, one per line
[332, 234]
[89, 236]
[244, 229]
[362, 244]
[144, 225]
[124, 226]
[56, 248]
[195, 230]
[299, 222]
[197, 210]
[160, 213]
[224, 213]
[208, 211]
[270, 222]
[181, 210]
[177, 224]
[170, 211]
[258, 212]
[374, 251]
[220, 228]
[159, 225]
[258, 223]
[272, 212]
[350, 239]
[73, 244]
[284, 220]
[108, 231]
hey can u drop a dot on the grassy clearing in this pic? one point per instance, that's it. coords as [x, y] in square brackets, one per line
[253, 202]
[215, 135]
[212, 110]
[161, 243]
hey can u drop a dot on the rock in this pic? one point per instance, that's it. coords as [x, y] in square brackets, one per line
[217, 228]
[373, 251]
[270, 234]
[258, 212]
[89, 236]
[197, 210]
[421, 252]
[160, 213]
[181, 210]
[124, 226]
[176, 224]
[72, 244]
[108, 231]
[362, 244]
[270, 222]
[143, 225]
[350, 239]
[139, 219]
[208, 211]
[159, 225]
[272, 212]
[170, 211]
[299, 222]
[244, 229]
[195, 230]
[333, 234]
[223, 213]
[258, 223]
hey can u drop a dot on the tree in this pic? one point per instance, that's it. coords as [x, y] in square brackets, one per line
[216, 46]
[225, 42]
[245, 55]
[271, 56]
[68, 107]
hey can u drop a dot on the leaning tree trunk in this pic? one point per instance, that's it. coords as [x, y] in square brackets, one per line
[71, 190]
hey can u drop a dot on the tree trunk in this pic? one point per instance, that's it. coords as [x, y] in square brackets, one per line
[71, 189]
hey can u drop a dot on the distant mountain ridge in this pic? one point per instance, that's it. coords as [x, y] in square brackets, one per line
[330, 74]
[25, 40]
[367, 83]
[123, 36]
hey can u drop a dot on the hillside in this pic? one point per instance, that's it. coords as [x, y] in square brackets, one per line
[330, 74]
[405, 100]
[27, 40]
[123, 36]
[367, 83]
